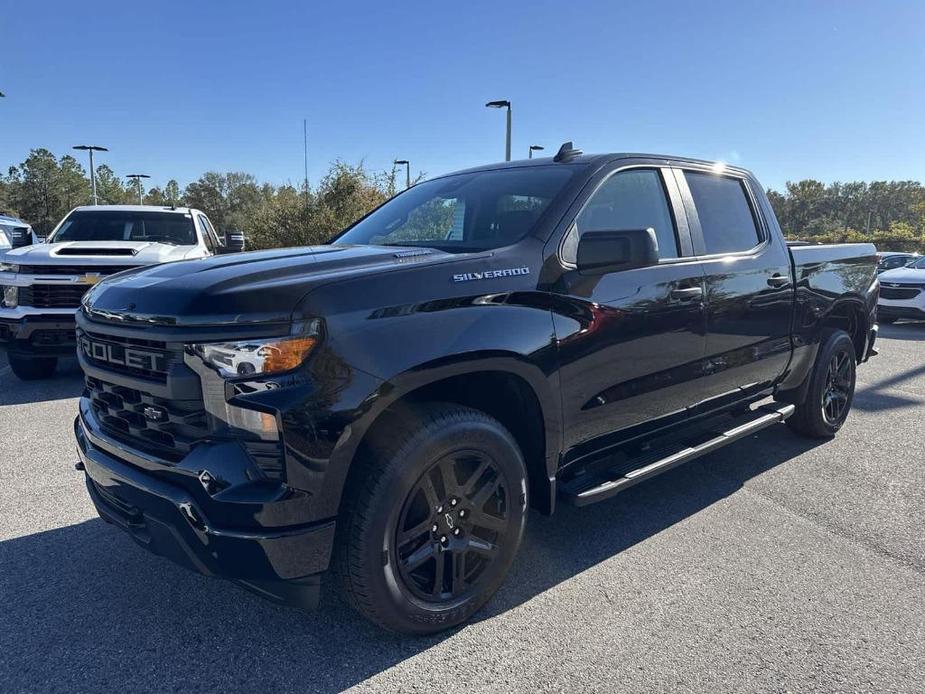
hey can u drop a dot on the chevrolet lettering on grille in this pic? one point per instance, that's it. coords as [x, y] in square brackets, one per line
[123, 356]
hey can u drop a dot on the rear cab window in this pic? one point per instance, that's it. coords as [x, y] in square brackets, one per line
[727, 220]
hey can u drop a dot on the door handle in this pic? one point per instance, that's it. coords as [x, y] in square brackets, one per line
[686, 294]
[778, 280]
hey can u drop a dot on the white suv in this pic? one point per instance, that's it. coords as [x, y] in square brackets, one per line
[902, 293]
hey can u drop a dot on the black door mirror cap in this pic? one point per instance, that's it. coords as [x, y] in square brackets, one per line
[234, 242]
[600, 252]
[20, 237]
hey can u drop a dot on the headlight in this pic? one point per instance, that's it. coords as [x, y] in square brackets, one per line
[9, 267]
[11, 297]
[258, 357]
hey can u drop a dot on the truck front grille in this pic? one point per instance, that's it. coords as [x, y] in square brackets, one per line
[52, 295]
[899, 293]
[140, 358]
[72, 269]
[166, 428]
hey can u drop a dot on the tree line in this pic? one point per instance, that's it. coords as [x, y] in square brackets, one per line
[890, 214]
[43, 188]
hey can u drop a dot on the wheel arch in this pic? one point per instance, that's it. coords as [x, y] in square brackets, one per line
[849, 313]
[505, 386]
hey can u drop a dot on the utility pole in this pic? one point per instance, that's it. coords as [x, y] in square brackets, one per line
[305, 146]
[91, 149]
[399, 162]
[139, 185]
[507, 141]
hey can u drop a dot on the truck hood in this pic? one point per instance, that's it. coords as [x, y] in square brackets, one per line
[98, 253]
[903, 275]
[257, 286]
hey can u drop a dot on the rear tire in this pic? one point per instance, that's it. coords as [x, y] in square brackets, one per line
[433, 515]
[32, 368]
[831, 389]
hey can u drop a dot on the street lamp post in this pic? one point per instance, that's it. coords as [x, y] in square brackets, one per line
[138, 184]
[407, 164]
[91, 149]
[534, 148]
[507, 142]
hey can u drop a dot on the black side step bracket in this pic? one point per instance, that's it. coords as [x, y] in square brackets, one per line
[578, 491]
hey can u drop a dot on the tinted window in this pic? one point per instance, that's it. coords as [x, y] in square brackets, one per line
[895, 261]
[632, 199]
[725, 215]
[161, 227]
[479, 210]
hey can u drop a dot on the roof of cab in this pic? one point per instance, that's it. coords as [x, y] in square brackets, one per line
[6, 219]
[133, 208]
[598, 160]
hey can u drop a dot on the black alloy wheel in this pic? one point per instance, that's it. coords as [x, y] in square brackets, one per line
[451, 527]
[433, 514]
[829, 389]
[839, 384]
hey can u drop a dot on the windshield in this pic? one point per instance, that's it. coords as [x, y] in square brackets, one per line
[117, 225]
[918, 264]
[467, 212]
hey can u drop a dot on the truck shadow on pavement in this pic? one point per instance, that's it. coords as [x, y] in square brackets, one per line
[68, 382]
[873, 397]
[86, 609]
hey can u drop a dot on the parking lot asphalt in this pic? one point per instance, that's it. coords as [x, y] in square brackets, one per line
[777, 564]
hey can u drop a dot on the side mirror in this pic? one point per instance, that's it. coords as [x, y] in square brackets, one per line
[20, 236]
[234, 242]
[600, 252]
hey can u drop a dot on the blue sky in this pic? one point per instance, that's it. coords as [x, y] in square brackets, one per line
[831, 90]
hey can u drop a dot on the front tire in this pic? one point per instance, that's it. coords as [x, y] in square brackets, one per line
[434, 514]
[831, 389]
[32, 368]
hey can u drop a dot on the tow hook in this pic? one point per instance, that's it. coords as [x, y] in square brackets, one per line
[192, 516]
[212, 484]
[79, 465]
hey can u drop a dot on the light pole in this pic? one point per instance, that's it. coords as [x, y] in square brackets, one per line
[507, 142]
[534, 148]
[407, 164]
[91, 149]
[138, 184]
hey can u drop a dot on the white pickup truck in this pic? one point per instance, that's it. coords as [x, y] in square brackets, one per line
[41, 284]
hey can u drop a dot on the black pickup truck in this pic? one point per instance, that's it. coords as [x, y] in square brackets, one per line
[388, 406]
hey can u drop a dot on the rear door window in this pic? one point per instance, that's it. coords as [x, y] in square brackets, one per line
[726, 217]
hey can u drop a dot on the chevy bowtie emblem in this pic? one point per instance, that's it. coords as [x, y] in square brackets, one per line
[154, 414]
[91, 278]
